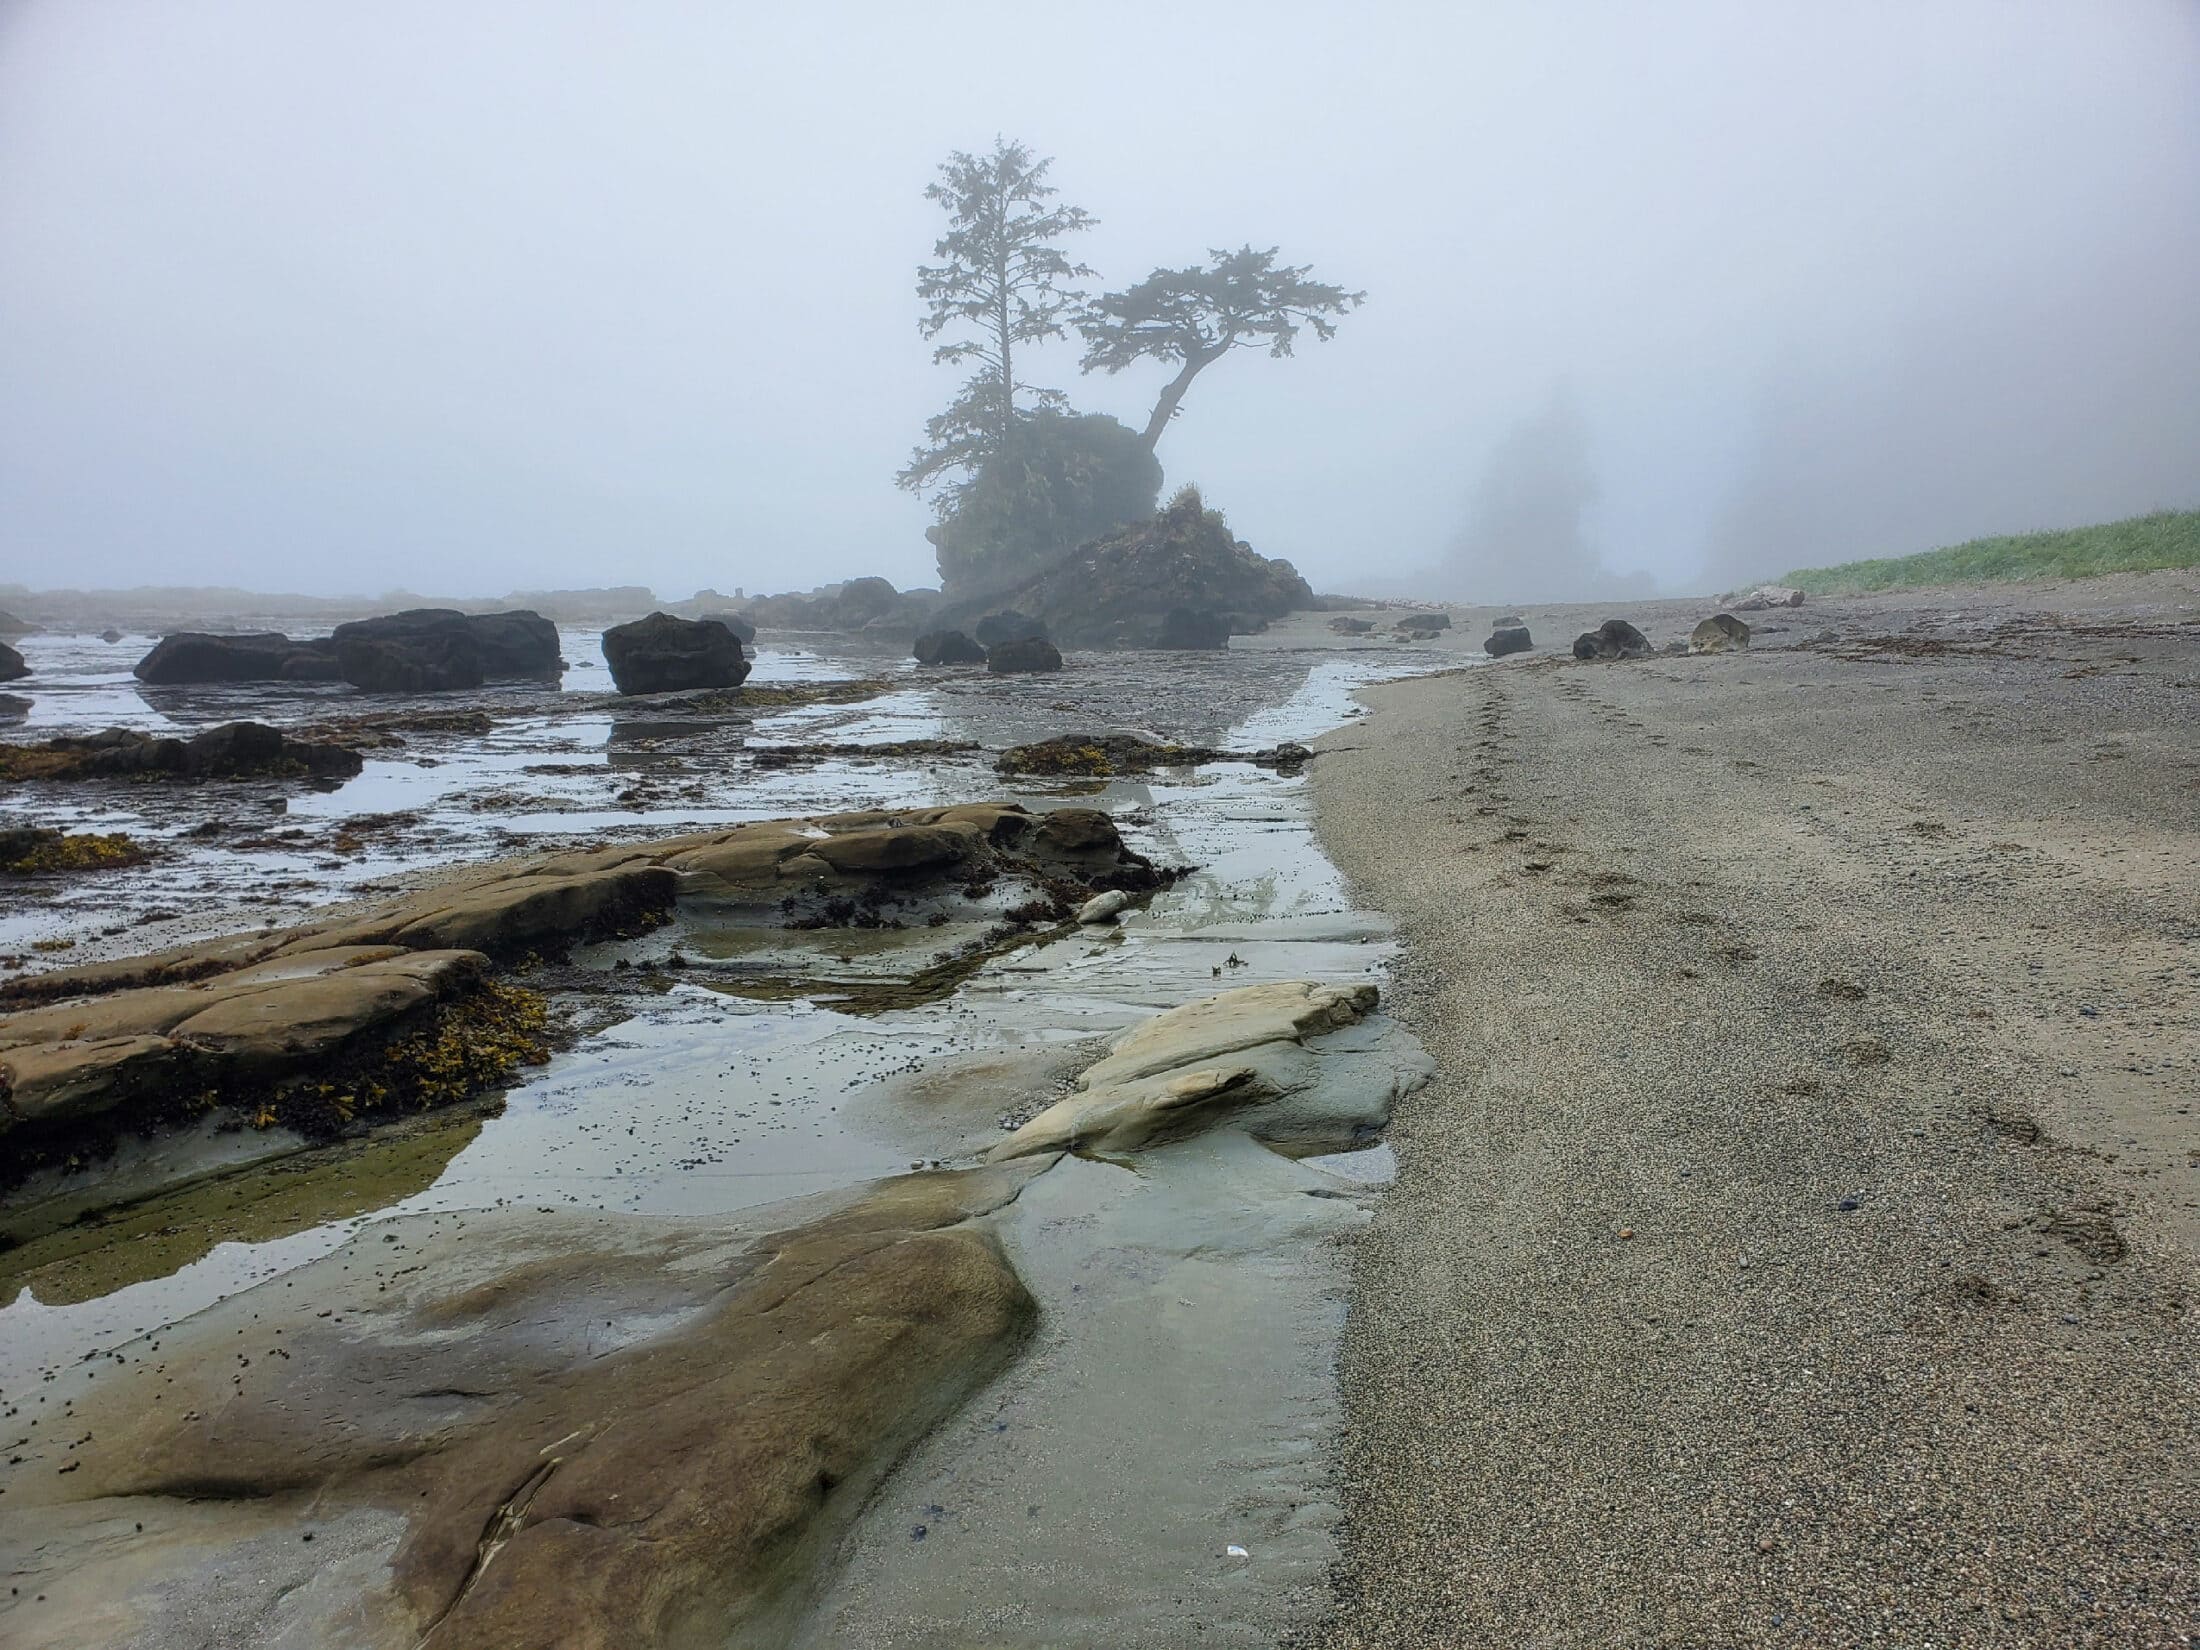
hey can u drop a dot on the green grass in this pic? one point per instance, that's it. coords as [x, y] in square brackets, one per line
[2167, 538]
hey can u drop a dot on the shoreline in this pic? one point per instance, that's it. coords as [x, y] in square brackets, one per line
[1797, 1241]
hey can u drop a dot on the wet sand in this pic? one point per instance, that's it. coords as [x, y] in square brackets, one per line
[1797, 1245]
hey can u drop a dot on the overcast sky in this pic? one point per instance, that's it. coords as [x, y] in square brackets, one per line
[466, 296]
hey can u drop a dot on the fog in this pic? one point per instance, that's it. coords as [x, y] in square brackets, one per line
[472, 297]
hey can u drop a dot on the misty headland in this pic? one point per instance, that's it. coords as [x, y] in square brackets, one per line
[930, 829]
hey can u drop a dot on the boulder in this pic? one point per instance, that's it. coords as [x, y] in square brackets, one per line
[1345, 626]
[12, 667]
[948, 647]
[1103, 908]
[863, 600]
[1505, 638]
[519, 645]
[1192, 629]
[436, 649]
[662, 654]
[14, 707]
[1031, 654]
[1767, 596]
[441, 662]
[1008, 626]
[110, 635]
[1424, 623]
[195, 658]
[742, 626]
[1721, 633]
[1613, 639]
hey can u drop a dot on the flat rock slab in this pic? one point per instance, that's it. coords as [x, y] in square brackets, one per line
[514, 1429]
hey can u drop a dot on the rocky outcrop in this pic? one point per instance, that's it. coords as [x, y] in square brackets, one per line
[196, 658]
[12, 667]
[1117, 591]
[1345, 626]
[662, 654]
[1613, 639]
[1032, 654]
[539, 1432]
[1267, 1056]
[866, 604]
[1507, 637]
[1192, 629]
[235, 750]
[126, 1041]
[1423, 624]
[947, 647]
[1009, 625]
[1721, 633]
[14, 707]
[10, 625]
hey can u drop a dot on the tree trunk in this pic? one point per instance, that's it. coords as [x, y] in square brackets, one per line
[1165, 408]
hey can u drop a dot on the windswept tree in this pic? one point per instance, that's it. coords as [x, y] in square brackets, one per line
[1192, 318]
[1002, 283]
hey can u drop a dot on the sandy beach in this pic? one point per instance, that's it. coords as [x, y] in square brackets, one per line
[1797, 1243]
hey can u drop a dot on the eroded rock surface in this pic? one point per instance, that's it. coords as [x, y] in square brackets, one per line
[513, 1429]
[235, 750]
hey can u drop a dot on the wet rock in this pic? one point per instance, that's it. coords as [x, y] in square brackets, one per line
[1292, 1063]
[1345, 626]
[662, 654]
[12, 667]
[1103, 908]
[14, 707]
[519, 645]
[1008, 625]
[196, 658]
[1613, 639]
[1102, 755]
[582, 1431]
[441, 662]
[1190, 629]
[1030, 655]
[1721, 633]
[33, 850]
[110, 635]
[235, 750]
[1507, 638]
[948, 647]
[1767, 596]
[742, 626]
[1423, 624]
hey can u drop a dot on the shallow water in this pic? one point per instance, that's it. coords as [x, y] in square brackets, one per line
[1208, 1292]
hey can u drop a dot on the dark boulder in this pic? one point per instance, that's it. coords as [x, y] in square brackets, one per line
[662, 654]
[439, 661]
[447, 648]
[1507, 638]
[1613, 639]
[519, 645]
[948, 647]
[1721, 633]
[110, 635]
[1008, 625]
[1192, 629]
[1032, 653]
[12, 667]
[1351, 627]
[863, 600]
[1426, 623]
[742, 626]
[14, 707]
[192, 658]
